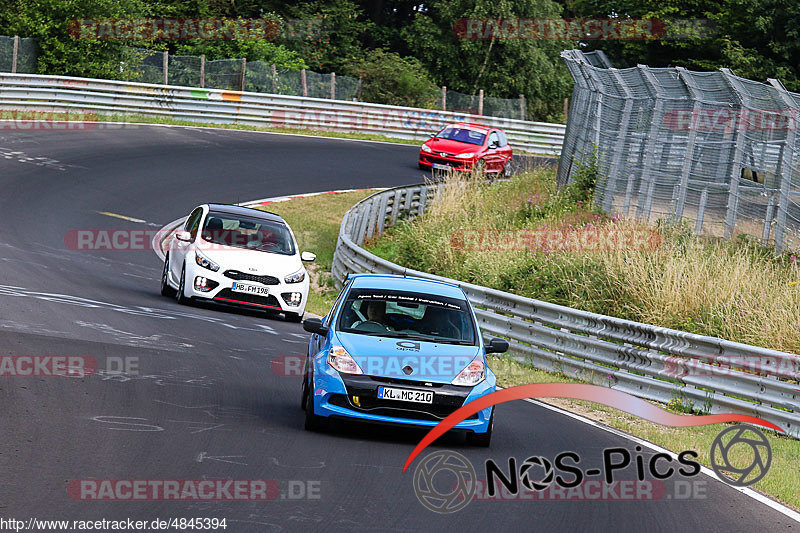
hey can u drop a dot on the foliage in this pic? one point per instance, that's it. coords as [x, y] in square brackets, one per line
[388, 78]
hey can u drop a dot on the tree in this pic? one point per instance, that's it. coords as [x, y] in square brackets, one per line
[388, 78]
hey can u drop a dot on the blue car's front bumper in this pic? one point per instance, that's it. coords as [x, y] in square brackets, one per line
[355, 397]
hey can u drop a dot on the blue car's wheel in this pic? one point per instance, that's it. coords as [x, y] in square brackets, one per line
[313, 421]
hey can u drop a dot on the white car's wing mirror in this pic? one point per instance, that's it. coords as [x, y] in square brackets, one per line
[184, 236]
[308, 256]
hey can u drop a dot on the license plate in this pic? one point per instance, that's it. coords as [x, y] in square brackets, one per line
[249, 289]
[405, 395]
[439, 166]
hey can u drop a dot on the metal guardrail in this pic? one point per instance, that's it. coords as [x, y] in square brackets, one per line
[644, 360]
[81, 95]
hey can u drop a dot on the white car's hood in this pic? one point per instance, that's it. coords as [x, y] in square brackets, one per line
[250, 261]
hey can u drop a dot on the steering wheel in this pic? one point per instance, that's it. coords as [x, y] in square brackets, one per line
[372, 323]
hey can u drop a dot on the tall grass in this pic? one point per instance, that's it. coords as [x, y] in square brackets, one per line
[736, 290]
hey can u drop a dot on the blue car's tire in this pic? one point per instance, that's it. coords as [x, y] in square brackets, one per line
[482, 439]
[314, 422]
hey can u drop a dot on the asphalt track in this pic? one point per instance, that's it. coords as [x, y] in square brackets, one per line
[205, 402]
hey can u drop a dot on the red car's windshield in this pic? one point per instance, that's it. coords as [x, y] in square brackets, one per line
[464, 135]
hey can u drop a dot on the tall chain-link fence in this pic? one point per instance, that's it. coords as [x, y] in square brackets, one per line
[710, 147]
[17, 54]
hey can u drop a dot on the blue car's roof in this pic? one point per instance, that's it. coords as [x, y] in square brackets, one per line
[401, 283]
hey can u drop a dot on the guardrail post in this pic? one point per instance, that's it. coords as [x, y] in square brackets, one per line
[15, 54]
[444, 98]
[784, 169]
[165, 67]
[244, 70]
[202, 71]
[333, 86]
[303, 82]
[480, 102]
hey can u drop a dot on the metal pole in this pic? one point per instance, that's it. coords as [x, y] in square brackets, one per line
[522, 114]
[701, 212]
[15, 54]
[165, 68]
[244, 70]
[274, 73]
[566, 108]
[785, 167]
[686, 169]
[333, 86]
[202, 71]
[444, 98]
[303, 82]
[622, 141]
[736, 166]
[768, 219]
[480, 102]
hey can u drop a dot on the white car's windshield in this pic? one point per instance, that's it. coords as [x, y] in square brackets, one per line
[250, 233]
[408, 315]
[464, 135]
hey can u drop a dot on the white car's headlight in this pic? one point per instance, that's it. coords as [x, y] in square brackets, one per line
[342, 361]
[465, 156]
[205, 262]
[296, 277]
[472, 374]
[426, 148]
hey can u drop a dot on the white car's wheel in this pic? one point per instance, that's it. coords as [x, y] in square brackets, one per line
[180, 295]
[166, 289]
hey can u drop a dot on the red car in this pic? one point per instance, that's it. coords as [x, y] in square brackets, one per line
[465, 146]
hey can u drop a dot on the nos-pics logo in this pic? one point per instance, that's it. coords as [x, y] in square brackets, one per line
[445, 481]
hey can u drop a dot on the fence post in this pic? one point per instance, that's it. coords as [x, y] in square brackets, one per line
[303, 82]
[274, 75]
[701, 212]
[244, 70]
[686, 169]
[165, 67]
[15, 54]
[522, 110]
[736, 166]
[480, 102]
[784, 166]
[566, 108]
[333, 86]
[444, 98]
[622, 140]
[358, 89]
[202, 71]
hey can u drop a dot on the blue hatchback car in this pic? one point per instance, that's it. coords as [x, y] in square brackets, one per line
[398, 350]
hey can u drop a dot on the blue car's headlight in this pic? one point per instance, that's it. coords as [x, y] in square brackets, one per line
[473, 374]
[342, 361]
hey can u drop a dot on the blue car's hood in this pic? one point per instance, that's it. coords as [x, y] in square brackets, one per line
[386, 357]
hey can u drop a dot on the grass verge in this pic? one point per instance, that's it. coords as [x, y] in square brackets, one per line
[315, 222]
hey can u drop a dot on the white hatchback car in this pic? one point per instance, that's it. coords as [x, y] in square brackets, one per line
[237, 256]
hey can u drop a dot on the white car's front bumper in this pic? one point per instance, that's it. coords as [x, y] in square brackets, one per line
[222, 289]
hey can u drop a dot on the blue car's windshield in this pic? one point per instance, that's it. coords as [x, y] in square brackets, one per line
[464, 135]
[407, 315]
